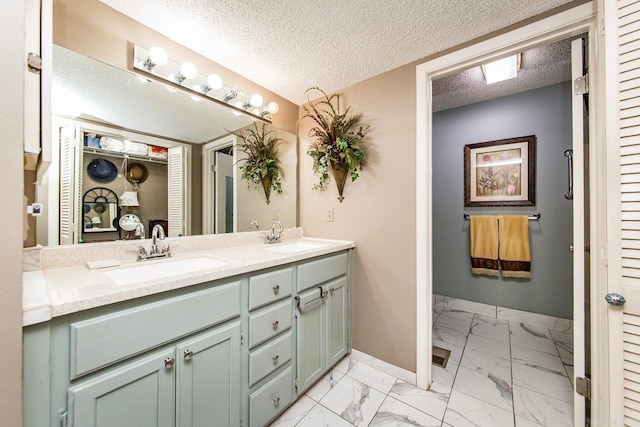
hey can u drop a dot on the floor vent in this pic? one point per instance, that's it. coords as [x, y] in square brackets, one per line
[440, 356]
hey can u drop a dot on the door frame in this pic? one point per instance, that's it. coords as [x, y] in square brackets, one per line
[208, 201]
[574, 21]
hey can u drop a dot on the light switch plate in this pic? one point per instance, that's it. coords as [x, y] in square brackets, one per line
[330, 215]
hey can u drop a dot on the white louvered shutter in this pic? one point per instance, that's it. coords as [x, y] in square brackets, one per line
[178, 196]
[626, 132]
[70, 186]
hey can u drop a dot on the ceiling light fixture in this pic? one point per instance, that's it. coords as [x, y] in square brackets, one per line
[154, 63]
[502, 69]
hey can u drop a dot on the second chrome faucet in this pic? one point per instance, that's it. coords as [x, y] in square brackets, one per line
[156, 233]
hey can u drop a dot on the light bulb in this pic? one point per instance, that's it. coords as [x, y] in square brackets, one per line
[240, 105]
[214, 81]
[273, 107]
[188, 70]
[157, 55]
[256, 100]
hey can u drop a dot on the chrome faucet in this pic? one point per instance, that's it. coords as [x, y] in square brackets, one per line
[253, 223]
[273, 236]
[156, 233]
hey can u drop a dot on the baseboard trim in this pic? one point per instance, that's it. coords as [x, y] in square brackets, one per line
[382, 366]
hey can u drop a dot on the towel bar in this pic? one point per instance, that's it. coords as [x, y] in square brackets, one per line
[532, 217]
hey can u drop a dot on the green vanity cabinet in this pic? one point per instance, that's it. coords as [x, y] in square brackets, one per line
[232, 352]
[322, 317]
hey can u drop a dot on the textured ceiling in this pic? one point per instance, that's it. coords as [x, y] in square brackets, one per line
[288, 46]
[541, 66]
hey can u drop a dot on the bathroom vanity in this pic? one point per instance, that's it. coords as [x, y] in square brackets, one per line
[228, 336]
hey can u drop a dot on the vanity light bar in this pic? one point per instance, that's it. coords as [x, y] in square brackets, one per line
[155, 63]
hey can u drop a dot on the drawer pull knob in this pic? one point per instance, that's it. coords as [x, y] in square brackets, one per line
[188, 354]
[275, 358]
[276, 401]
[275, 324]
[332, 289]
[275, 288]
[168, 362]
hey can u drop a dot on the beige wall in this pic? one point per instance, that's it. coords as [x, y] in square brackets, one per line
[11, 128]
[378, 212]
[93, 29]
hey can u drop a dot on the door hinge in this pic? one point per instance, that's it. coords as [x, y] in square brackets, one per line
[63, 417]
[241, 337]
[581, 85]
[214, 168]
[34, 63]
[583, 387]
[295, 383]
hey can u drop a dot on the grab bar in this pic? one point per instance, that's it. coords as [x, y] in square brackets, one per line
[532, 217]
[569, 155]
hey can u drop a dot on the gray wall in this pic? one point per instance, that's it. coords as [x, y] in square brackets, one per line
[546, 113]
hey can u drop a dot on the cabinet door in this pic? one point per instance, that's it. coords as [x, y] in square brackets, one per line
[337, 317]
[208, 389]
[140, 394]
[311, 343]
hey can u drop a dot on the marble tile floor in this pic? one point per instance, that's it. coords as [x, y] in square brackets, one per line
[500, 373]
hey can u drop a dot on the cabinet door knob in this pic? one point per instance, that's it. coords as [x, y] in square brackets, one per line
[275, 324]
[276, 401]
[168, 362]
[275, 288]
[188, 354]
[275, 358]
[332, 289]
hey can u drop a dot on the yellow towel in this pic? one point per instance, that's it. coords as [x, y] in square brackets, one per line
[515, 254]
[484, 244]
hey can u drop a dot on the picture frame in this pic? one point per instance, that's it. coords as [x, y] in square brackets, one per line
[500, 173]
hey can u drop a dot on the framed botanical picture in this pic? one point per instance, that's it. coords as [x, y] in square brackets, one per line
[500, 173]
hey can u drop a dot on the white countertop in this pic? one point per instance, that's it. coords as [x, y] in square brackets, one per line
[56, 292]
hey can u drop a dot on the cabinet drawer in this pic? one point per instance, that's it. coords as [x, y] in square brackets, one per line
[269, 287]
[266, 402]
[315, 272]
[265, 360]
[106, 339]
[269, 322]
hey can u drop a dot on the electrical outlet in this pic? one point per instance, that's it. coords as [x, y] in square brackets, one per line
[330, 215]
[275, 214]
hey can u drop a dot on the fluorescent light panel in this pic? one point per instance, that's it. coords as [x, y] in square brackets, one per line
[502, 69]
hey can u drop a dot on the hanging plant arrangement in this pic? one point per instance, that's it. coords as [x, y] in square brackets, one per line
[338, 144]
[261, 168]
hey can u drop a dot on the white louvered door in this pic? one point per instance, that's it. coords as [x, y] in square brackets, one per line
[624, 321]
[70, 185]
[178, 195]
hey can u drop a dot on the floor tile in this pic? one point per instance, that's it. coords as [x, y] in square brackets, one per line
[486, 363]
[492, 328]
[442, 333]
[523, 422]
[372, 377]
[432, 402]
[444, 376]
[324, 384]
[537, 359]
[486, 345]
[454, 319]
[475, 307]
[294, 413]
[485, 387]
[345, 364]
[354, 401]
[394, 413]
[548, 322]
[542, 409]
[467, 411]
[531, 337]
[550, 384]
[446, 302]
[320, 416]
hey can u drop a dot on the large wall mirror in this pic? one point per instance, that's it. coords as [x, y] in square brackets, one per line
[170, 157]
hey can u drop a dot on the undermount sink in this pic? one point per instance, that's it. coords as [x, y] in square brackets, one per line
[292, 248]
[157, 269]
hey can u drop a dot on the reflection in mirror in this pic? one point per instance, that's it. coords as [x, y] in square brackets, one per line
[102, 113]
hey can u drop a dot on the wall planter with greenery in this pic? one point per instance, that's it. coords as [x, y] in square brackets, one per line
[338, 141]
[261, 167]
